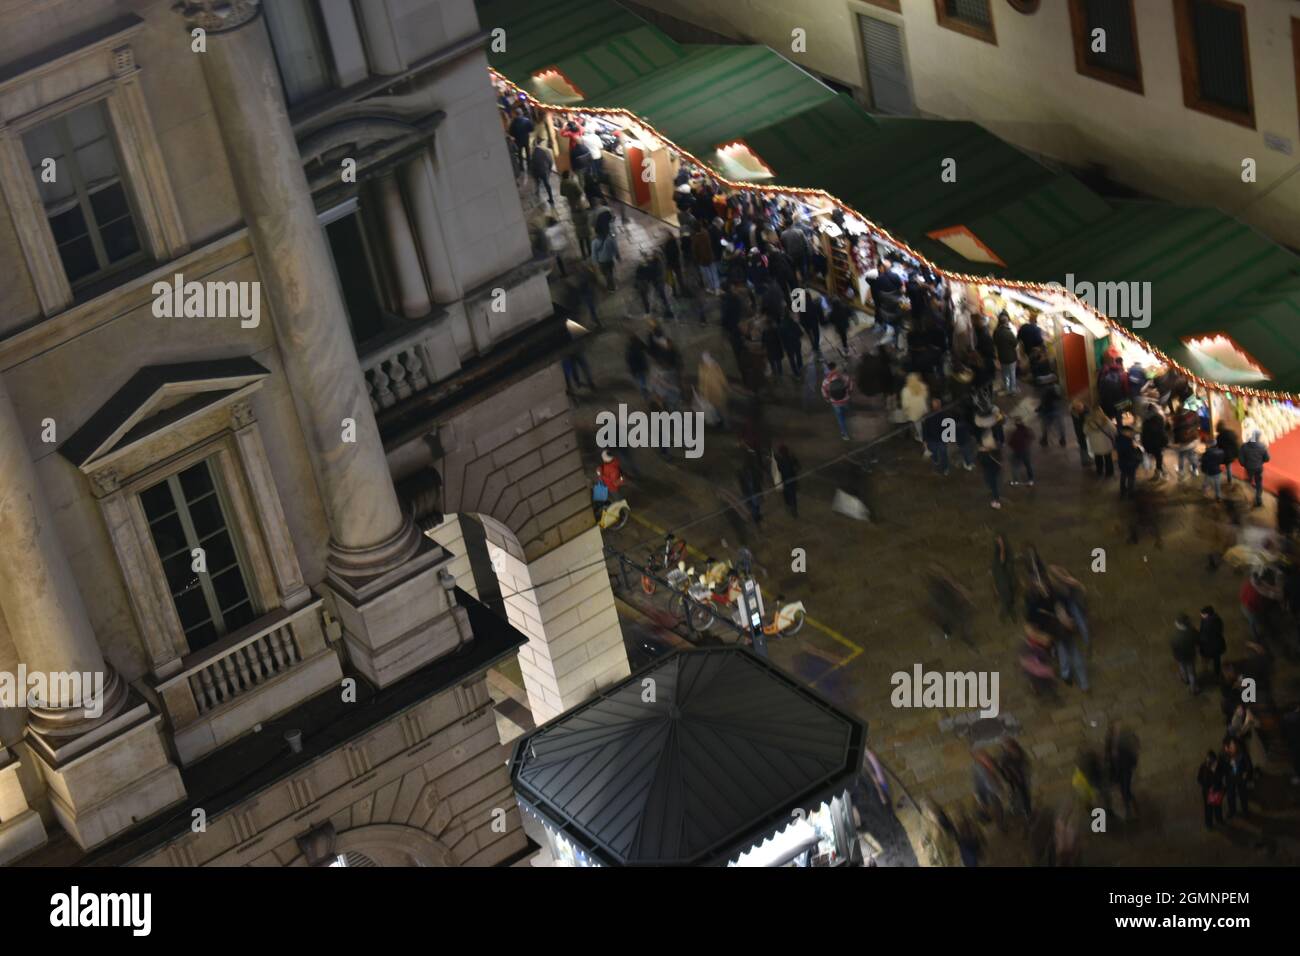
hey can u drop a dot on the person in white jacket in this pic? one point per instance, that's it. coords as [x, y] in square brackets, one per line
[914, 400]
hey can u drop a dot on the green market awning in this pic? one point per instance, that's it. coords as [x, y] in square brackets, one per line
[1208, 274]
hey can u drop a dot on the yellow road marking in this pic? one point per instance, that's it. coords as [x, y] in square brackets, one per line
[828, 631]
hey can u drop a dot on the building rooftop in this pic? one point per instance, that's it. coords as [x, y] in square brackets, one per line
[689, 761]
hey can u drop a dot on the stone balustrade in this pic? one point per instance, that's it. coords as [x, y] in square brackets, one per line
[400, 366]
[252, 674]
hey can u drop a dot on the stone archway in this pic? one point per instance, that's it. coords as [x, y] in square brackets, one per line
[513, 463]
[391, 844]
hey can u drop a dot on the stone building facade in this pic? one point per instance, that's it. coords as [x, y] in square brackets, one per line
[278, 338]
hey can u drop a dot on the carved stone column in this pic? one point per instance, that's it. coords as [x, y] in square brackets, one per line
[418, 175]
[402, 251]
[382, 572]
[38, 594]
[369, 533]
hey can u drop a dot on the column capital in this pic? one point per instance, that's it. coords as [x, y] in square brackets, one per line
[217, 16]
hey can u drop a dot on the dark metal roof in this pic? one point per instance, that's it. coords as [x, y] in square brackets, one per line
[727, 748]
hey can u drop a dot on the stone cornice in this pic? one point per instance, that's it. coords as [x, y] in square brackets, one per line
[113, 34]
[47, 334]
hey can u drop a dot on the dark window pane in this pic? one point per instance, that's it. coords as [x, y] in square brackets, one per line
[180, 577]
[974, 12]
[157, 501]
[206, 515]
[196, 481]
[68, 225]
[1113, 17]
[201, 636]
[168, 536]
[230, 588]
[1220, 55]
[192, 608]
[239, 616]
[219, 552]
[120, 240]
[109, 203]
[79, 259]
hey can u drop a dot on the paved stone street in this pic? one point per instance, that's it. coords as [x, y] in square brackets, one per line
[864, 592]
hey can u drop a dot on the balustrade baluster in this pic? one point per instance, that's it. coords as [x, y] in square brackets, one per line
[263, 645]
[415, 369]
[228, 663]
[379, 391]
[278, 650]
[241, 663]
[200, 698]
[397, 372]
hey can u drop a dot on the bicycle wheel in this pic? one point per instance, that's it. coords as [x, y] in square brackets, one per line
[701, 616]
[648, 584]
[796, 625]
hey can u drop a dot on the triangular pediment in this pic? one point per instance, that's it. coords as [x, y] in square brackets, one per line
[158, 397]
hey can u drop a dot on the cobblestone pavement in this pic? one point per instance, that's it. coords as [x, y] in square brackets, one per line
[862, 588]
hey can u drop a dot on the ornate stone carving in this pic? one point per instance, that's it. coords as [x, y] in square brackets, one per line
[217, 16]
[105, 482]
[123, 61]
[241, 415]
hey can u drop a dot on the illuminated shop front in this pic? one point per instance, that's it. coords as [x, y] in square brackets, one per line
[708, 757]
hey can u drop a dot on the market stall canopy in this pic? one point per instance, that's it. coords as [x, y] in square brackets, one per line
[714, 762]
[1002, 215]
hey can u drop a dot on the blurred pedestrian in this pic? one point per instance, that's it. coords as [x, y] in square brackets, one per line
[1213, 781]
[1239, 774]
[1121, 763]
[1183, 647]
[1021, 443]
[1210, 642]
[1004, 577]
[1253, 456]
[990, 462]
[837, 388]
[788, 468]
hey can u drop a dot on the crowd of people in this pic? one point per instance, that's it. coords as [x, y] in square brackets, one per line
[976, 391]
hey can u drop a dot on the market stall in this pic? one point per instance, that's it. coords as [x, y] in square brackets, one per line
[727, 761]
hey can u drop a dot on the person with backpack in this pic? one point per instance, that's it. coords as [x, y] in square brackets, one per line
[1252, 456]
[990, 462]
[1227, 440]
[540, 165]
[836, 389]
[1212, 469]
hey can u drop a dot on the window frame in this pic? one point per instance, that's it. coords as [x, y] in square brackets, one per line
[106, 270]
[1189, 63]
[958, 25]
[105, 70]
[321, 41]
[228, 436]
[231, 528]
[1082, 42]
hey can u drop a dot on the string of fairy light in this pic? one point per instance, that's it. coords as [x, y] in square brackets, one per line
[880, 234]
